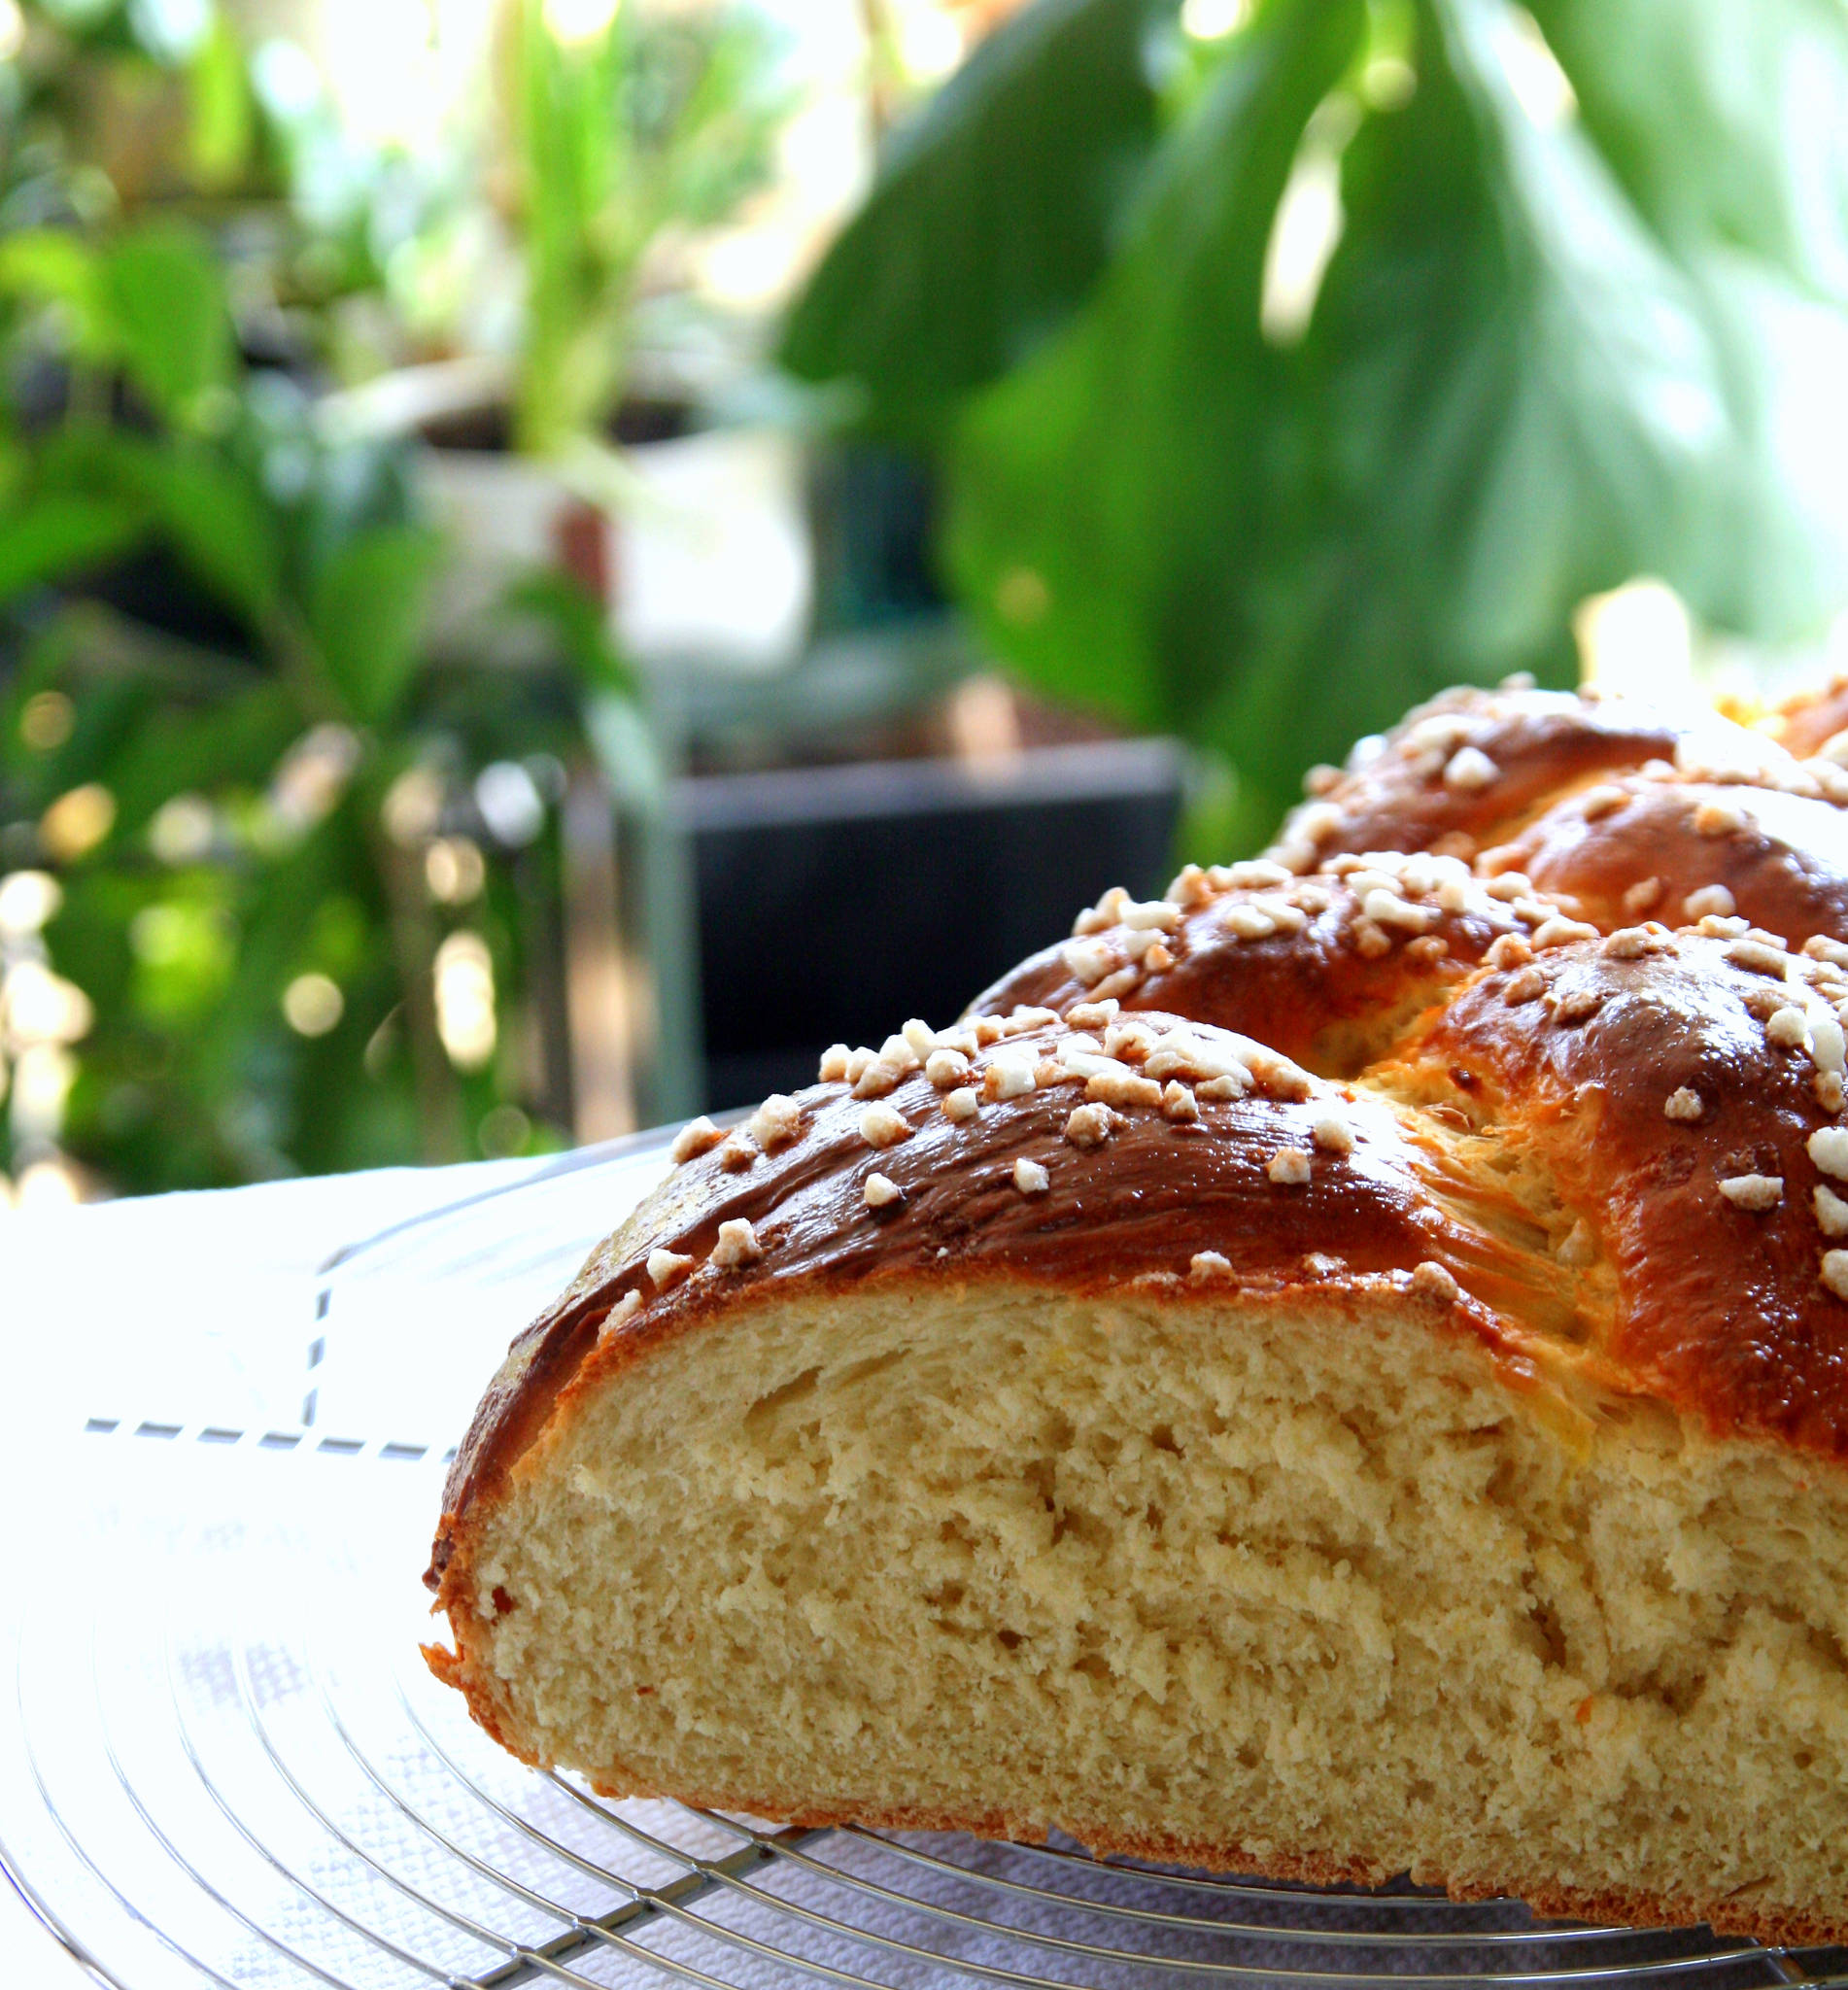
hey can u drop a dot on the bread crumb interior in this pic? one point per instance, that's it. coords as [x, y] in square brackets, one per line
[1240, 1575]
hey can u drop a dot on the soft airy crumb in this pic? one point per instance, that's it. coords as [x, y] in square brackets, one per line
[1578, 1247]
[1069, 1557]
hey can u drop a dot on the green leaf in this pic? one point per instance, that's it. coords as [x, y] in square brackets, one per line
[169, 323]
[992, 218]
[58, 266]
[366, 609]
[1514, 390]
[578, 625]
[178, 749]
[1724, 124]
[60, 534]
[152, 302]
[212, 513]
[1723, 120]
[223, 113]
[1106, 495]
[1592, 387]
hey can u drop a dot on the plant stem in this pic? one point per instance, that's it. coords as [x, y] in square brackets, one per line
[414, 951]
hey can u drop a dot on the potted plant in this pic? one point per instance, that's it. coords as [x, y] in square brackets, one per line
[284, 890]
[624, 133]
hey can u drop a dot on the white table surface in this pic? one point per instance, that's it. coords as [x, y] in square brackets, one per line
[177, 1305]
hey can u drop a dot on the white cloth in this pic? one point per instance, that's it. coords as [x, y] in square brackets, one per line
[194, 1307]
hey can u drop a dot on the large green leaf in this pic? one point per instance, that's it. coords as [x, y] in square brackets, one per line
[150, 301]
[1726, 121]
[170, 324]
[1727, 124]
[1110, 494]
[1566, 402]
[236, 741]
[578, 625]
[222, 118]
[59, 534]
[1515, 389]
[205, 505]
[365, 608]
[56, 267]
[992, 218]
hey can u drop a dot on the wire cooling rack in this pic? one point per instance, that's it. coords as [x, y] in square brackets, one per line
[221, 1759]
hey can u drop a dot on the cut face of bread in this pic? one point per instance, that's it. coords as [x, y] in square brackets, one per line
[1295, 1584]
[1341, 1370]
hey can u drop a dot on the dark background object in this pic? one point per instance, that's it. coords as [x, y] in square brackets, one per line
[872, 516]
[835, 902]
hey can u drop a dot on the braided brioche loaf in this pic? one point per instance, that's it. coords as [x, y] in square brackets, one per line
[1340, 1370]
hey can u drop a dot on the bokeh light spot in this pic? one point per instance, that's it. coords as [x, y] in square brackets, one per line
[312, 1005]
[76, 822]
[48, 716]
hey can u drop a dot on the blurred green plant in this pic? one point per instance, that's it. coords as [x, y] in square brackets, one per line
[293, 885]
[110, 107]
[1285, 371]
[656, 122]
[339, 251]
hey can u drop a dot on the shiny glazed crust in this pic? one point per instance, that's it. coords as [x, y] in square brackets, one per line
[1444, 1041]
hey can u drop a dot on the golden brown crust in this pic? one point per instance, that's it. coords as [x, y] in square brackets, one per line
[1621, 808]
[1581, 1064]
[1649, 846]
[1804, 725]
[1663, 1100]
[1410, 790]
[1326, 985]
[1624, 1907]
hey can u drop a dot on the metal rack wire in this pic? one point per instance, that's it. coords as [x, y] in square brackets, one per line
[229, 1767]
